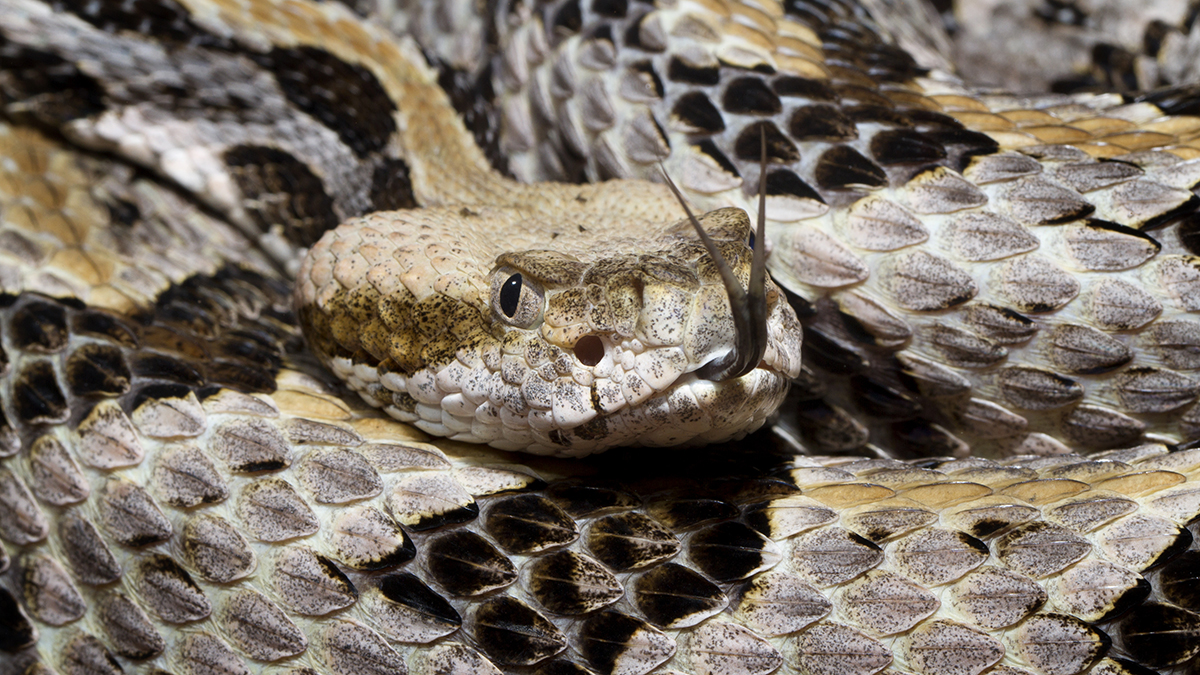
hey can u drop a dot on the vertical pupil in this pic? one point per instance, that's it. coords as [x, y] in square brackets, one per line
[510, 295]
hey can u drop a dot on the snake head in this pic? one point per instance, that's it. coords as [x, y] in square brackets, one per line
[568, 351]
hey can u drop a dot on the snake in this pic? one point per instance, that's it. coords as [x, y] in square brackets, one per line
[376, 340]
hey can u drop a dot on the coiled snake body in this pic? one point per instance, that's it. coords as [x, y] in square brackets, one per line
[184, 488]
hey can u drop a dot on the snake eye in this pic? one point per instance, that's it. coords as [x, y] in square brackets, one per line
[510, 295]
[516, 298]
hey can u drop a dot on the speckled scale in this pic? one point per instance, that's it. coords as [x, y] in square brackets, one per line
[184, 476]
[1176, 342]
[962, 348]
[830, 648]
[1040, 549]
[338, 475]
[880, 522]
[982, 236]
[948, 648]
[1059, 643]
[1099, 245]
[1077, 349]
[1141, 541]
[1146, 389]
[1086, 513]
[108, 439]
[885, 603]
[204, 653]
[272, 510]
[251, 445]
[86, 553]
[48, 592]
[308, 583]
[993, 597]
[365, 538]
[55, 477]
[935, 556]
[723, 647]
[877, 224]
[833, 555]
[922, 281]
[259, 628]
[84, 654]
[215, 550]
[1101, 428]
[1097, 591]
[424, 501]
[348, 648]
[129, 630]
[130, 514]
[169, 591]
[1036, 388]
[1034, 200]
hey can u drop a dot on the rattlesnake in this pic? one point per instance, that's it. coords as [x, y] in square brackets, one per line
[183, 488]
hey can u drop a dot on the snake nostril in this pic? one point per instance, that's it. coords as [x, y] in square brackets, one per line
[589, 350]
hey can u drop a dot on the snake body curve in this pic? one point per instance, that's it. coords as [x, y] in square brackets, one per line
[182, 490]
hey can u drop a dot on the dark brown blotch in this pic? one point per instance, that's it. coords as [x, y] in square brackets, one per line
[682, 72]
[905, 146]
[630, 540]
[513, 633]
[730, 551]
[529, 523]
[881, 400]
[346, 97]
[96, 369]
[282, 190]
[606, 637]
[407, 590]
[750, 96]
[748, 146]
[16, 632]
[1159, 635]
[464, 563]
[37, 398]
[39, 327]
[696, 112]
[582, 500]
[672, 594]
[683, 513]
[802, 87]
[843, 167]
[566, 582]
[821, 122]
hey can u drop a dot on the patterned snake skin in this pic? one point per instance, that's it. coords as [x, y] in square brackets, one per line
[184, 489]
